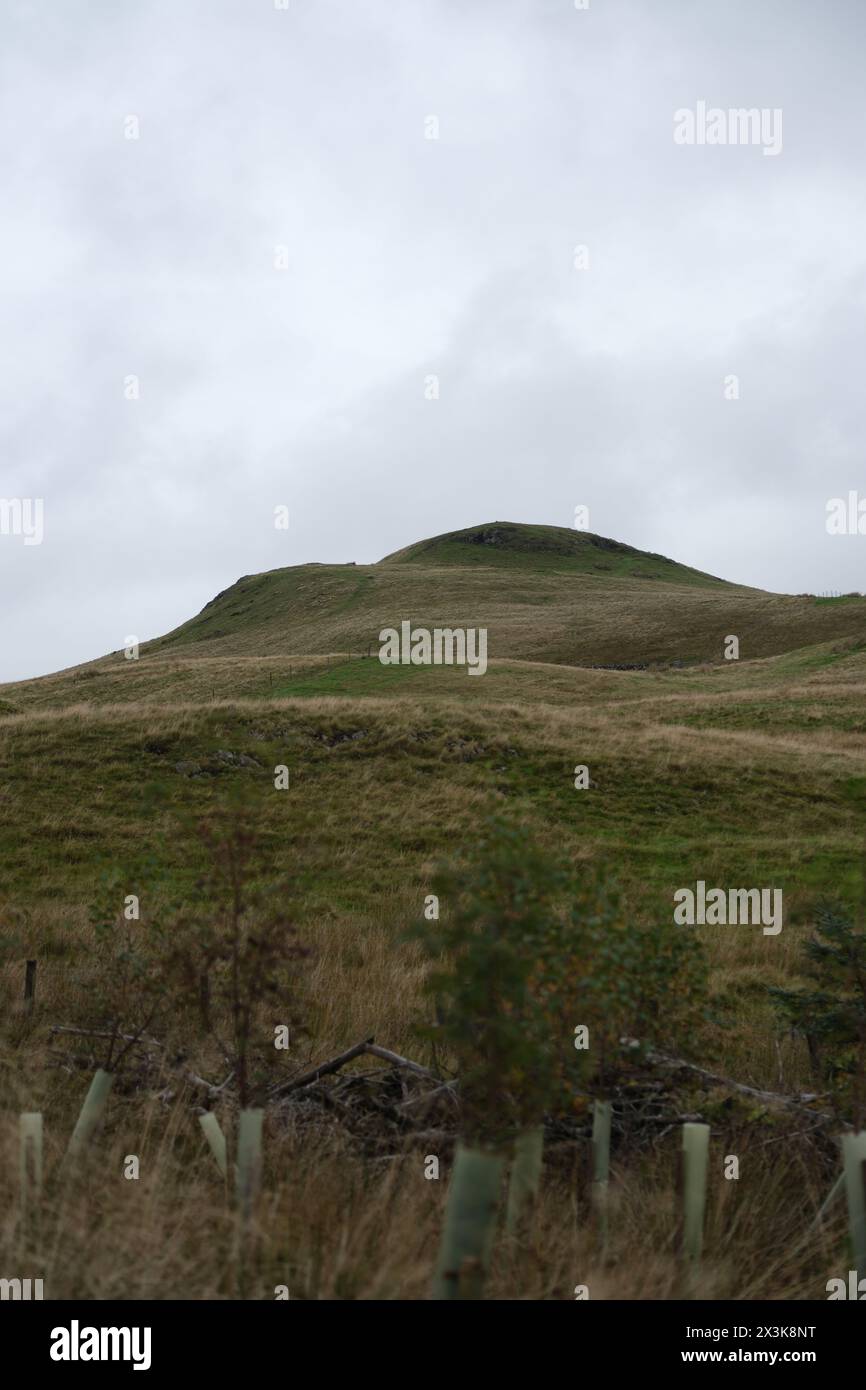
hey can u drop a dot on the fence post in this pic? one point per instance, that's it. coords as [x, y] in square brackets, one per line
[29, 986]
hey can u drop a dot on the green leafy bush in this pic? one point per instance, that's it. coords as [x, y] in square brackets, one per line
[530, 948]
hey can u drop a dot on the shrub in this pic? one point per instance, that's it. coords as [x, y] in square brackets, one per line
[529, 948]
[229, 954]
[831, 1012]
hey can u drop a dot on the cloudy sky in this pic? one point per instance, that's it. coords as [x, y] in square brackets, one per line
[238, 240]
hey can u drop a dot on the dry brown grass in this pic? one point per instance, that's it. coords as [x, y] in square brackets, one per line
[334, 1224]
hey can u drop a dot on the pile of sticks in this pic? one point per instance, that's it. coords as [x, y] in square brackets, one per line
[383, 1107]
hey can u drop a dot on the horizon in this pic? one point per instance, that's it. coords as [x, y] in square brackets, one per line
[383, 559]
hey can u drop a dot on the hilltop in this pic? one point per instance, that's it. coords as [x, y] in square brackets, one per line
[551, 549]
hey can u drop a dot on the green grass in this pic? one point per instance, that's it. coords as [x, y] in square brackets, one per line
[363, 676]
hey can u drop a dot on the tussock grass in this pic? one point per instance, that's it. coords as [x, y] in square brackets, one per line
[334, 1224]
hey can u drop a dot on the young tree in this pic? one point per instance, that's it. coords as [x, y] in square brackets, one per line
[602, 971]
[233, 954]
[227, 953]
[485, 956]
[830, 1012]
[530, 948]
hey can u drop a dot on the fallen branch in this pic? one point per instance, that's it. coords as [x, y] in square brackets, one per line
[213, 1090]
[768, 1097]
[426, 1096]
[324, 1069]
[396, 1060]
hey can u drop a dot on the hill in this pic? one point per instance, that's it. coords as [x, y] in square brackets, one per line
[747, 772]
[544, 594]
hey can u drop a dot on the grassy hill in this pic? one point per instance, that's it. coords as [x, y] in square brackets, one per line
[544, 594]
[749, 772]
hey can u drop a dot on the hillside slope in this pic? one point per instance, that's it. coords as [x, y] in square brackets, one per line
[544, 594]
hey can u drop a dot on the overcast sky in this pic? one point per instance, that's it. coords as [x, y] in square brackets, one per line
[283, 258]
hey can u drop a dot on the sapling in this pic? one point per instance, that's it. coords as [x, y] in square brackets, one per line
[602, 976]
[232, 953]
[124, 997]
[233, 958]
[484, 958]
[527, 947]
[830, 1011]
[493, 1025]
[611, 976]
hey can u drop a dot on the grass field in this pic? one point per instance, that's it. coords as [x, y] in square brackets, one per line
[749, 772]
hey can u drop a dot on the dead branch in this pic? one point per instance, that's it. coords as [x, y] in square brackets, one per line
[768, 1097]
[324, 1069]
[396, 1060]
